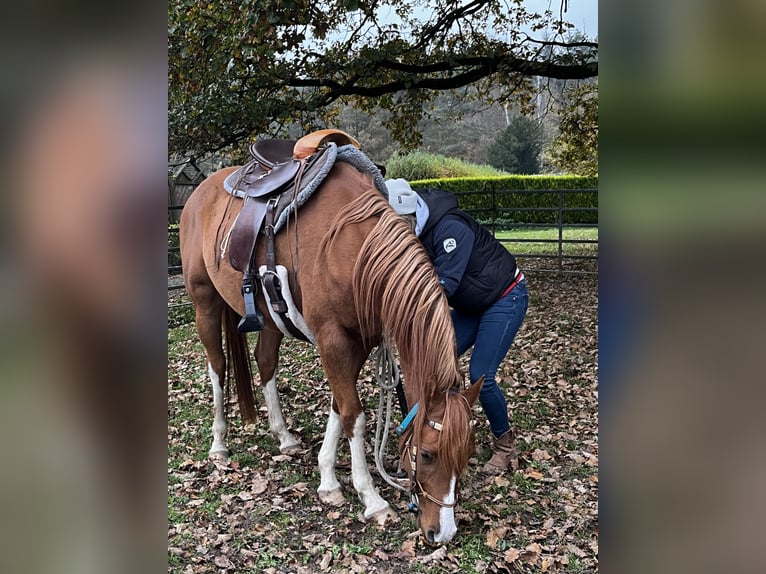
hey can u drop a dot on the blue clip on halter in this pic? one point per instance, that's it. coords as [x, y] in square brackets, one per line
[407, 420]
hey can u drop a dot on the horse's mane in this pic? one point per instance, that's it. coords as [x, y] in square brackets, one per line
[396, 287]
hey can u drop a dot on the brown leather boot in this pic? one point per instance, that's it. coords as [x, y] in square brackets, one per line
[504, 454]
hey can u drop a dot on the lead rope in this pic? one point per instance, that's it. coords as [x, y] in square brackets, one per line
[387, 376]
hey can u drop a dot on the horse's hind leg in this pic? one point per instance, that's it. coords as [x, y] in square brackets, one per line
[267, 356]
[209, 307]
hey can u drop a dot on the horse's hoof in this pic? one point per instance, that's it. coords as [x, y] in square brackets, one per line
[383, 517]
[332, 497]
[221, 455]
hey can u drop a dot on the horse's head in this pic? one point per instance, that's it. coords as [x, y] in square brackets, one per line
[435, 452]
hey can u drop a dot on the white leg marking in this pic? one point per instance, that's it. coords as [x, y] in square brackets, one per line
[328, 455]
[360, 473]
[277, 424]
[447, 526]
[219, 419]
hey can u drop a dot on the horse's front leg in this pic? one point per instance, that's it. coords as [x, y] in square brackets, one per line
[376, 509]
[329, 490]
[342, 358]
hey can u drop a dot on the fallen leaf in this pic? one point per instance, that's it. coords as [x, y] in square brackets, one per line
[501, 481]
[539, 455]
[495, 535]
[223, 562]
[435, 556]
[511, 555]
[324, 563]
[260, 484]
[531, 553]
[576, 551]
[408, 549]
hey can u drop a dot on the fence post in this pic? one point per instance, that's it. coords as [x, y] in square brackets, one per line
[493, 195]
[561, 230]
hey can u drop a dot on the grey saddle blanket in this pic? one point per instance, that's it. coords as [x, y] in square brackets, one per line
[345, 153]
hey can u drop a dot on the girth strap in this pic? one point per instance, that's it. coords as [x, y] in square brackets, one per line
[270, 279]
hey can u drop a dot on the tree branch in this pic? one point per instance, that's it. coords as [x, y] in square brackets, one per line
[480, 68]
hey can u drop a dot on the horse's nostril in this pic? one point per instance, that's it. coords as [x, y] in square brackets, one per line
[431, 535]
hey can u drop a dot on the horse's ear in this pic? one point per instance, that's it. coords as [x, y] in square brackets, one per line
[472, 392]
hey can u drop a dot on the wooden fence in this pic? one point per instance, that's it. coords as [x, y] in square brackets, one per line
[569, 255]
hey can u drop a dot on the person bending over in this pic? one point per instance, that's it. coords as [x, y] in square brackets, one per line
[486, 290]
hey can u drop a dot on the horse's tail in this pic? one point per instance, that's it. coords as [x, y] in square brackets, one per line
[238, 364]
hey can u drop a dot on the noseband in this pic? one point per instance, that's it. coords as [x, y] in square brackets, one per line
[416, 488]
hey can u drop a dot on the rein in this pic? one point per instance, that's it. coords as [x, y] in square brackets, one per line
[388, 378]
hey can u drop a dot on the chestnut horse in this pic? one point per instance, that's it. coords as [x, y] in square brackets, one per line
[361, 275]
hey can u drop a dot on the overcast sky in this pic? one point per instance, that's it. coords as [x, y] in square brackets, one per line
[582, 13]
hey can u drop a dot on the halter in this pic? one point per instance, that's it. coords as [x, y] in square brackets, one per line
[416, 488]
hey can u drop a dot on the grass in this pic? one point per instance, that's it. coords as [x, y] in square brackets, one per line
[507, 236]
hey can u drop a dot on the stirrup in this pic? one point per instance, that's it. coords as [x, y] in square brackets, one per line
[250, 323]
[253, 318]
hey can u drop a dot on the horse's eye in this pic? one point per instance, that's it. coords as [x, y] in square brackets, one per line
[426, 456]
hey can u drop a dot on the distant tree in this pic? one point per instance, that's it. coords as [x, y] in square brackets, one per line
[575, 149]
[517, 149]
[367, 128]
[461, 125]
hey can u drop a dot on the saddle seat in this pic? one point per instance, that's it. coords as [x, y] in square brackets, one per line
[276, 163]
[268, 153]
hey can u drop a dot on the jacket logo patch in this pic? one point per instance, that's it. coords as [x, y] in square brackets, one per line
[449, 244]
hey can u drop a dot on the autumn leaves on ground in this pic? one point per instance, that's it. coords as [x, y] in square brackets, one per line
[259, 512]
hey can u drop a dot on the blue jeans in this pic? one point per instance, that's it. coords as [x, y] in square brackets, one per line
[491, 335]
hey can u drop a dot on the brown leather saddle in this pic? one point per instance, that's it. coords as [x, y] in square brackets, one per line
[269, 183]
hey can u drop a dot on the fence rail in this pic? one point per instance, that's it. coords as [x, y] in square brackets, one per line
[496, 222]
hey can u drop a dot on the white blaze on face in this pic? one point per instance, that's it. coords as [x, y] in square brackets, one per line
[447, 526]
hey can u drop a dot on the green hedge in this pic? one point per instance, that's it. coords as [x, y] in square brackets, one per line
[174, 258]
[422, 165]
[475, 196]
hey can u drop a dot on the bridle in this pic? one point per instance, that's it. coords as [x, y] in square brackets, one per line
[416, 488]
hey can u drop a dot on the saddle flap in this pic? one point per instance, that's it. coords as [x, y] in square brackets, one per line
[244, 233]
